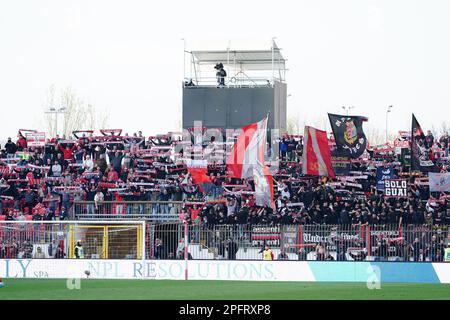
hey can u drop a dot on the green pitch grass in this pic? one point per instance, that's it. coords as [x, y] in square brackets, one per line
[215, 290]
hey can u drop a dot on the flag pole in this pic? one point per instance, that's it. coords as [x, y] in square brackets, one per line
[267, 128]
[411, 140]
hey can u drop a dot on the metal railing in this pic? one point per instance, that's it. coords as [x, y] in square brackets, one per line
[300, 242]
[232, 81]
[129, 210]
[120, 239]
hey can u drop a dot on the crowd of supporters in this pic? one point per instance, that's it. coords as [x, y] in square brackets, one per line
[43, 183]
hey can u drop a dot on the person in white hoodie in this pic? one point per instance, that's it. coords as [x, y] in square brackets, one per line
[88, 164]
[99, 197]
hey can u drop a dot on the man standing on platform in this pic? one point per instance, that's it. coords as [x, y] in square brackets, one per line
[220, 74]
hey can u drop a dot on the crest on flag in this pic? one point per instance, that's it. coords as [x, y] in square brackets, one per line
[350, 134]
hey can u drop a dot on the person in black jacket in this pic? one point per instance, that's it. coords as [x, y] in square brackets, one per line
[416, 248]
[30, 199]
[444, 142]
[160, 249]
[382, 250]
[115, 159]
[10, 148]
[220, 74]
[232, 249]
[429, 140]
[221, 247]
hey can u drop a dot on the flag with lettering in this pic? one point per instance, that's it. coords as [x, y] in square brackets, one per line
[384, 173]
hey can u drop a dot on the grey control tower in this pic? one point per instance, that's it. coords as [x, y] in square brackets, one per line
[254, 85]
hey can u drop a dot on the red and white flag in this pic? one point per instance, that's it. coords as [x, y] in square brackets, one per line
[247, 160]
[35, 139]
[263, 186]
[316, 159]
[198, 170]
[248, 150]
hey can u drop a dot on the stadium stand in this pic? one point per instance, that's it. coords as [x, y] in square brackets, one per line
[111, 176]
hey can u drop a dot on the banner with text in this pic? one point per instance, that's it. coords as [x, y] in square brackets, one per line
[397, 188]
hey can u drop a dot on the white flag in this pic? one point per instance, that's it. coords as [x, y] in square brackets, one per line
[439, 182]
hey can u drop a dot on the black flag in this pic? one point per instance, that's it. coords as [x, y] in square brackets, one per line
[420, 155]
[349, 134]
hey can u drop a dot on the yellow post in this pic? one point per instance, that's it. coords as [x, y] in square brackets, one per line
[139, 242]
[105, 243]
[71, 243]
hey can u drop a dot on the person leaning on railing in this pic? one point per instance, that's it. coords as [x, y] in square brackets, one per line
[99, 197]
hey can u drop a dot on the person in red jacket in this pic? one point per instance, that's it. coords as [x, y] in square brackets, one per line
[21, 142]
[67, 151]
[119, 205]
[112, 175]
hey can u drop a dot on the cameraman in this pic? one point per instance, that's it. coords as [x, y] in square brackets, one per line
[220, 74]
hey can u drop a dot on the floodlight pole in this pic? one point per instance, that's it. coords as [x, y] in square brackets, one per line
[347, 109]
[184, 59]
[186, 251]
[228, 55]
[387, 113]
[273, 57]
[56, 112]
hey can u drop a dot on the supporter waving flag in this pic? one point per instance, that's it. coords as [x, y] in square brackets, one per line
[420, 152]
[316, 153]
[349, 134]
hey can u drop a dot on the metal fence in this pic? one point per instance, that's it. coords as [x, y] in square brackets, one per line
[114, 210]
[57, 240]
[130, 239]
[299, 242]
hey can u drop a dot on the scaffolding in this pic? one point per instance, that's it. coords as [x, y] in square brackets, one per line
[245, 68]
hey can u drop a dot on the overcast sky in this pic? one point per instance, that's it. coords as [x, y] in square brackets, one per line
[127, 56]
